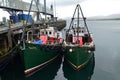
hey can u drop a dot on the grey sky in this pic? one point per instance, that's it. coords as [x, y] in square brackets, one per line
[60, 2]
[64, 2]
[65, 8]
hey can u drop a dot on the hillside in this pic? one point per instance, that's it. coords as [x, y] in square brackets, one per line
[110, 17]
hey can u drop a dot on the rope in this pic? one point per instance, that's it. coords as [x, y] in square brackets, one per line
[24, 28]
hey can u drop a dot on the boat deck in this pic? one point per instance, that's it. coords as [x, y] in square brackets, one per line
[4, 29]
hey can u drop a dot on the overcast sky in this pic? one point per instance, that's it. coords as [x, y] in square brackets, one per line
[65, 8]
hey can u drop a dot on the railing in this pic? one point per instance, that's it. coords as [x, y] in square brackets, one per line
[20, 5]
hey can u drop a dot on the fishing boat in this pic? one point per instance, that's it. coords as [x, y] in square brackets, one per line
[40, 48]
[79, 41]
[40, 43]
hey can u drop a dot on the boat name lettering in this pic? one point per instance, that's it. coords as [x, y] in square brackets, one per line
[32, 48]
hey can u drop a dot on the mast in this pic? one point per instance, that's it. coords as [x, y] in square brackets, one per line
[54, 8]
[84, 19]
[78, 7]
[38, 13]
[78, 22]
[45, 10]
[77, 13]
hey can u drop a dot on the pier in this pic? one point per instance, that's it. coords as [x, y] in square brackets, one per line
[14, 7]
[20, 5]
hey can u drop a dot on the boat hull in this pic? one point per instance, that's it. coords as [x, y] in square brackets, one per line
[83, 74]
[77, 56]
[7, 57]
[35, 57]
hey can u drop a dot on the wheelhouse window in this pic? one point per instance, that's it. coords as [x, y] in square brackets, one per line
[42, 33]
[46, 32]
[82, 31]
[50, 32]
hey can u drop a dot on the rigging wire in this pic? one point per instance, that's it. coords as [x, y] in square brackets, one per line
[78, 8]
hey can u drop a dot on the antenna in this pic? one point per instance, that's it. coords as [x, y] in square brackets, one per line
[55, 8]
[45, 8]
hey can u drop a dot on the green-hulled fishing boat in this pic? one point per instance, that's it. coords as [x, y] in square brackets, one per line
[40, 48]
[40, 44]
[79, 42]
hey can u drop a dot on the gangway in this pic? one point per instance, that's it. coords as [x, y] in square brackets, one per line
[20, 5]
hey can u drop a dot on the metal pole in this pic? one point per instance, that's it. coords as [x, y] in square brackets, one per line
[84, 19]
[78, 22]
[78, 25]
[54, 8]
[38, 13]
[45, 9]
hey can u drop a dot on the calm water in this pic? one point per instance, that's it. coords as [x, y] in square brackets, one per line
[104, 67]
[107, 54]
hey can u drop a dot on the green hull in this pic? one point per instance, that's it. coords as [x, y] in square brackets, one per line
[35, 57]
[83, 74]
[78, 57]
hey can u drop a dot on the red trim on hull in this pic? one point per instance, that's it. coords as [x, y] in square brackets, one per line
[28, 73]
[31, 71]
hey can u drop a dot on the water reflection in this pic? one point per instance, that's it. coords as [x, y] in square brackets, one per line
[49, 72]
[15, 71]
[83, 74]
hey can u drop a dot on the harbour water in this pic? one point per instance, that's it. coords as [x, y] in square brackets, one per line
[107, 54]
[103, 66]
